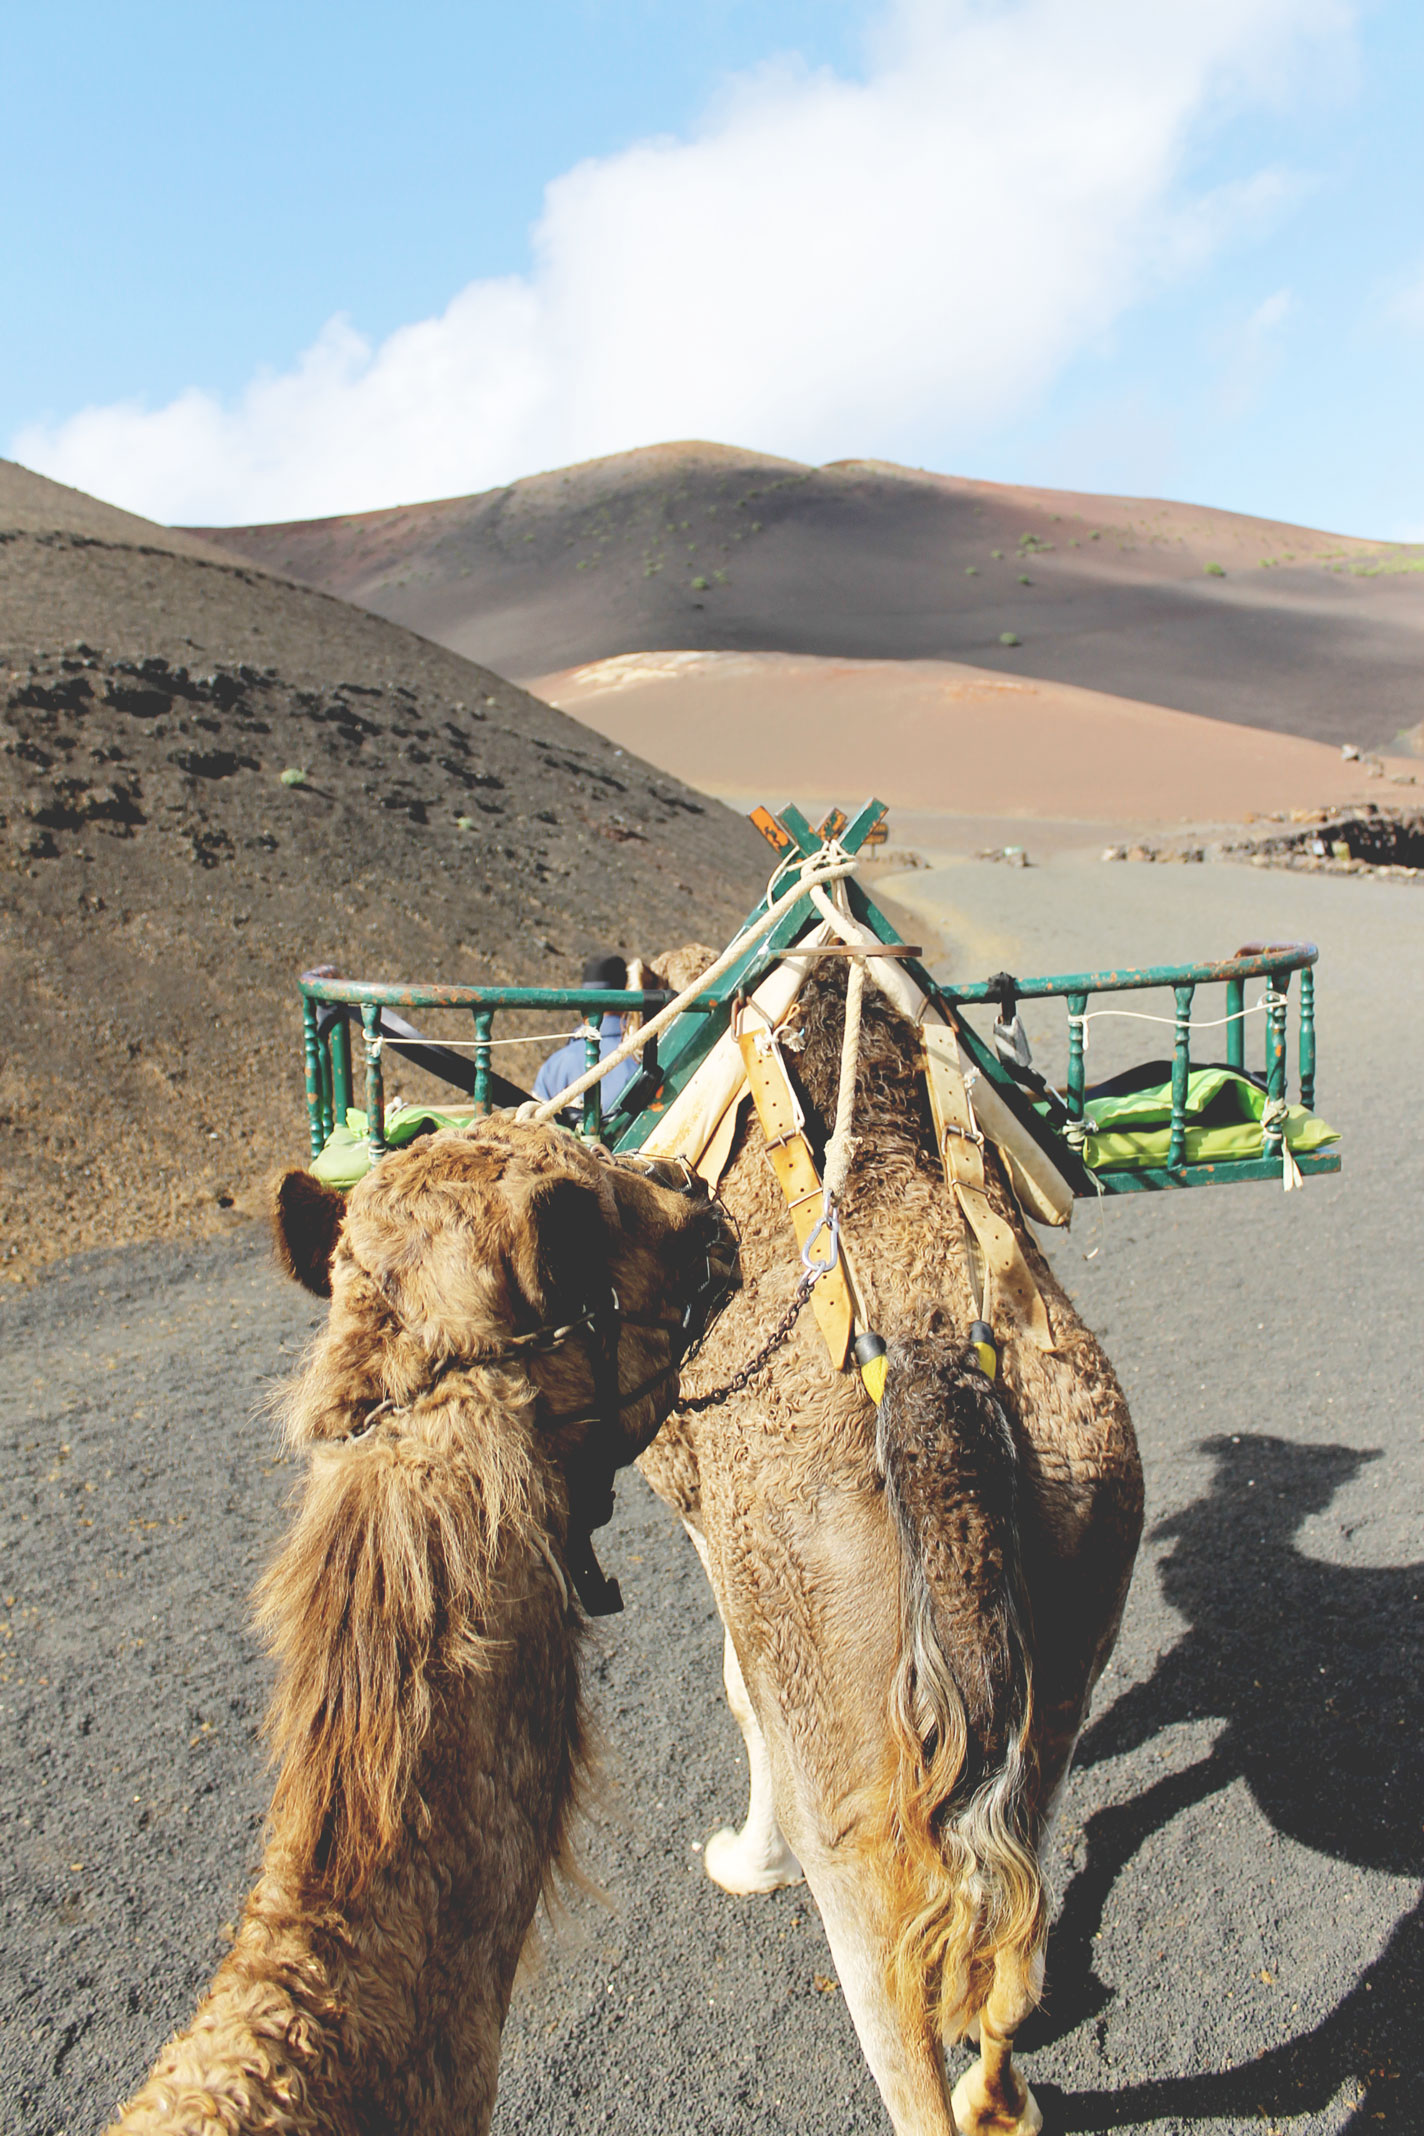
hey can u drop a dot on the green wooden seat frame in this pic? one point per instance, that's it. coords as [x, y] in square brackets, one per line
[687, 1042]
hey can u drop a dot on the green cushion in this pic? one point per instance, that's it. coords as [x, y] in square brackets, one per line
[346, 1156]
[1133, 1128]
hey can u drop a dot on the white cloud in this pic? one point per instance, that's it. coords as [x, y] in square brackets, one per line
[826, 268]
[1270, 315]
[1251, 352]
[1405, 306]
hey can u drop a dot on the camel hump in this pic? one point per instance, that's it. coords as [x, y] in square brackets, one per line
[961, 1703]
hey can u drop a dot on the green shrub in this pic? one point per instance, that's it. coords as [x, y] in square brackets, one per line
[293, 777]
[1009, 637]
[699, 584]
[1215, 570]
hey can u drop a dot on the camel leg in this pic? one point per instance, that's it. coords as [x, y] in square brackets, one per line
[757, 1858]
[822, 1736]
[991, 2098]
[906, 2058]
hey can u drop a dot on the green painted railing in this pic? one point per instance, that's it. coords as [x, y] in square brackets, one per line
[330, 1088]
[1273, 962]
[668, 1064]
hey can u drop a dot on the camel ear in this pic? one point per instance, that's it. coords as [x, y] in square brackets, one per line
[559, 1258]
[306, 1222]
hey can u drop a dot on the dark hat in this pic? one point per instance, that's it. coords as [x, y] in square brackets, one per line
[606, 970]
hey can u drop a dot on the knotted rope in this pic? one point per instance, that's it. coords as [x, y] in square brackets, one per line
[841, 1147]
[820, 868]
[1268, 1000]
[1275, 1120]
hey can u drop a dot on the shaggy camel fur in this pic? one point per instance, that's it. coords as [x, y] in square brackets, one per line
[427, 1718]
[917, 1601]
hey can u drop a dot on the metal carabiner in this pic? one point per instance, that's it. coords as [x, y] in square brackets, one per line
[829, 1219]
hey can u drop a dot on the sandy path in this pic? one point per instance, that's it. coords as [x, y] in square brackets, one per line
[944, 736]
[1240, 1855]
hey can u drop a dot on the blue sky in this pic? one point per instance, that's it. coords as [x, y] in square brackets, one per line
[264, 262]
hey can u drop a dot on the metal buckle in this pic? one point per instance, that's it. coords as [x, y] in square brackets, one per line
[968, 1134]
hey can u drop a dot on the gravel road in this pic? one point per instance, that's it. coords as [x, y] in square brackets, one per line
[1240, 1942]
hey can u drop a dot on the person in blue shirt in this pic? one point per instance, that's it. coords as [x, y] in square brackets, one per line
[569, 1063]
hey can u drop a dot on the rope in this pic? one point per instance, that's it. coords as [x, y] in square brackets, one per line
[831, 854]
[472, 1045]
[541, 1544]
[814, 871]
[1275, 1117]
[1213, 1023]
[841, 1147]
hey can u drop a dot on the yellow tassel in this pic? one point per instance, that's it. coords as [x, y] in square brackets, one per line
[981, 1341]
[874, 1364]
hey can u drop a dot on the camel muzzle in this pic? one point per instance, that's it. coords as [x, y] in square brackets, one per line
[592, 1472]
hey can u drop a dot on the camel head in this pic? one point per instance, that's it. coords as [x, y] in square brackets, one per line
[512, 1243]
[509, 1311]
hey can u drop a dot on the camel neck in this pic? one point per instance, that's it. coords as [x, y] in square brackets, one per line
[385, 2009]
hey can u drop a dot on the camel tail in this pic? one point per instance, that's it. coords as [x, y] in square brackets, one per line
[970, 1896]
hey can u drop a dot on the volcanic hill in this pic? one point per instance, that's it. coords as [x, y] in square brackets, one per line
[706, 548]
[212, 778]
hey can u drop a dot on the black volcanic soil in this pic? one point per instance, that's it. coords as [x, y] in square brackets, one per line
[160, 885]
[707, 548]
[1239, 1940]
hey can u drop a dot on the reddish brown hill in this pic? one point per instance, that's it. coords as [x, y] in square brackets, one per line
[704, 547]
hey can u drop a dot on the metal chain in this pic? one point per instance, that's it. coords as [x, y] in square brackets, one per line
[696, 1402]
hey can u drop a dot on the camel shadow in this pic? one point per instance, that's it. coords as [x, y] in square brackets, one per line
[1316, 1673]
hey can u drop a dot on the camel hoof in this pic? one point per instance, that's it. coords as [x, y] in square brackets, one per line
[730, 1862]
[977, 2114]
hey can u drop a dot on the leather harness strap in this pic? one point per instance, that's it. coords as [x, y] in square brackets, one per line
[784, 1126]
[712, 1162]
[961, 1146]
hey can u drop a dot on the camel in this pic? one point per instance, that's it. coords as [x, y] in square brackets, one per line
[509, 1311]
[917, 1598]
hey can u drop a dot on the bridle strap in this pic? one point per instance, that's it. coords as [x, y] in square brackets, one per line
[600, 1596]
[537, 1343]
[625, 1401]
